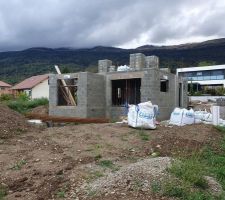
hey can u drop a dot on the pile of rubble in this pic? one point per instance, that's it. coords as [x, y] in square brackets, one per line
[141, 174]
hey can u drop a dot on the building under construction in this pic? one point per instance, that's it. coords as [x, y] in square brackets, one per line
[108, 93]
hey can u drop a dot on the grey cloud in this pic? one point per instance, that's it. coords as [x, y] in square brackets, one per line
[87, 23]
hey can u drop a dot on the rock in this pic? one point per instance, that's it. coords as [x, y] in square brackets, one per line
[154, 154]
[214, 187]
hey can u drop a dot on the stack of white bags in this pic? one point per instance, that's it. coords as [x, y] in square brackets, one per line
[182, 116]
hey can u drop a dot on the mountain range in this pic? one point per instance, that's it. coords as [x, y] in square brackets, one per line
[17, 65]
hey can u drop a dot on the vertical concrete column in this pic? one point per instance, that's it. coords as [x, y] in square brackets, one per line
[53, 90]
[137, 61]
[152, 62]
[104, 65]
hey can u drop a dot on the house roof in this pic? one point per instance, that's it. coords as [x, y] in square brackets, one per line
[3, 84]
[31, 82]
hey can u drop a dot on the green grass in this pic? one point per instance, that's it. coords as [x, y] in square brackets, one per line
[141, 134]
[61, 194]
[187, 180]
[19, 165]
[22, 103]
[156, 186]
[3, 192]
[190, 170]
[95, 175]
[144, 136]
[24, 106]
[106, 163]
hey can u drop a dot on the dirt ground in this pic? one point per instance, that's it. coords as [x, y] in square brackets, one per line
[11, 123]
[53, 163]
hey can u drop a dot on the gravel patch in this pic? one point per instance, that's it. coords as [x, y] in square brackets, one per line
[135, 177]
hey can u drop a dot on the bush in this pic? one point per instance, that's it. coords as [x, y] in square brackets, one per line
[23, 96]
[220, 91]
[6, 97]
[23, 106]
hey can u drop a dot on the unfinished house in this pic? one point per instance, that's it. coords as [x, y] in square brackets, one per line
[108, 93]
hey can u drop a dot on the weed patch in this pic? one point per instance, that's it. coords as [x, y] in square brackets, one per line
[106, 163]
[190, 170]
[22, 103]
[95, 175]
[19, 165]
[3, 192]
[187, 181]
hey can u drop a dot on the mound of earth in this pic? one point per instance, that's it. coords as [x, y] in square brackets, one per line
[11, 122]
[40, 110]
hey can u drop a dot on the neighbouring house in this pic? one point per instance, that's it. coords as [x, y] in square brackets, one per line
[108, 92]
[35, 86]
[5, 88]
[204, 79]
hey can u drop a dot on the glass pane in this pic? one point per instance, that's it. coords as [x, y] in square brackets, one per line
[213, 77]
[220, 77]
[206, 77]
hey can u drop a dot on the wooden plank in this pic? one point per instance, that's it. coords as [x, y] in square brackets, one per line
[66, 119]
[72, 101]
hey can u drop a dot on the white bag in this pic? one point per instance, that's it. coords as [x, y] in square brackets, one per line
[123, 68]
[188, 117]
[181, 117]
[176, 117]
[143, 115]
[200, 115]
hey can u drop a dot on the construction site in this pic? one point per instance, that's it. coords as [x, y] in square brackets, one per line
[108, 93]
[121, 133]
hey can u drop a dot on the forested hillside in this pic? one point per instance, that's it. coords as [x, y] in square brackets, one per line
[17, 65]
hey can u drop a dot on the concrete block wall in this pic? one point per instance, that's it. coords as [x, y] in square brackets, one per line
[94, 94]
[152, 62]
[150, 91]
[104, 65]
[90, 96]
[137, 61]
[96, 101]
[70, 111]
[115, 111]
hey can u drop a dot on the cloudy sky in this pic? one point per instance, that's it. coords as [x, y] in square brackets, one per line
[121, 23]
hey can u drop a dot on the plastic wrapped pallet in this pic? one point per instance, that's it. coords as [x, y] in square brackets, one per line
[142, 115]
[123, 68]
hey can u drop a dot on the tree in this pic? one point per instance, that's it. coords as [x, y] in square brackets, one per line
[65, 70]
[206, 63]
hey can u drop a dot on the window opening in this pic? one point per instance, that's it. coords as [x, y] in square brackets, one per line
[164, 85]
[126, 91]
[67, 93]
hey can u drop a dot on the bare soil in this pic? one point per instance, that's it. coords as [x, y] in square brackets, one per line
[57, 162]
[11, 123]
[40, 110]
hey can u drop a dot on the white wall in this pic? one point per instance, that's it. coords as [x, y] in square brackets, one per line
[205, 68]
[209, 82]
[204, 98]
[41, 90]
